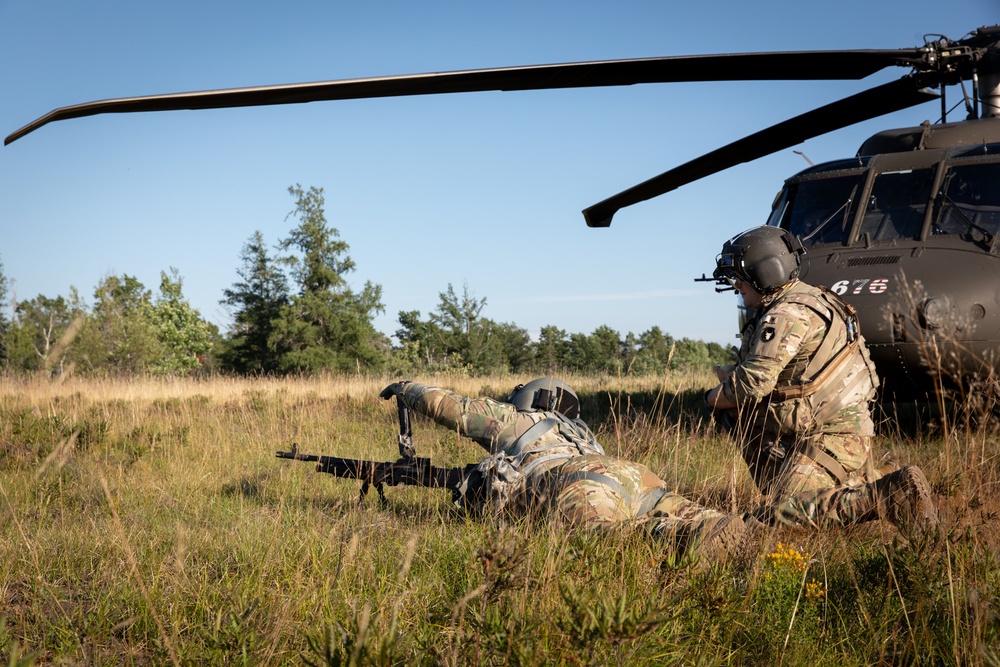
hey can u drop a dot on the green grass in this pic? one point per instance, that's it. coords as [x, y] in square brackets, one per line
[149, 523]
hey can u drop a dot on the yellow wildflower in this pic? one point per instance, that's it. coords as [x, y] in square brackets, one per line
[815, 590]
[788, 557]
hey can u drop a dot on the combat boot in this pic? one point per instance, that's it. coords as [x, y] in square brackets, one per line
[717, 540]
[889, 466]
[904, 498]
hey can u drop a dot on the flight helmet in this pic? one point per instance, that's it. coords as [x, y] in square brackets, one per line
[546, 394]
[763, 257]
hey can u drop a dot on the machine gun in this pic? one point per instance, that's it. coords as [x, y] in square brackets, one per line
[408, 469]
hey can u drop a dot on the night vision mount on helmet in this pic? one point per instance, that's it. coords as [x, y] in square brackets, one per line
[765, 258]
[546, 394]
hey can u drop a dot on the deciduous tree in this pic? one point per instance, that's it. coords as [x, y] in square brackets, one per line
[462, 333]
[119, 337]
[4, 318]
[551, 349]
[184, 336]
[42, 331]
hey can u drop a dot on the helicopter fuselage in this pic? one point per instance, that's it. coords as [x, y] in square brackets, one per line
[908, 232]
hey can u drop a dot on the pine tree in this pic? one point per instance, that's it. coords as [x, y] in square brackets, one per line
[256, 302]
[325, 325]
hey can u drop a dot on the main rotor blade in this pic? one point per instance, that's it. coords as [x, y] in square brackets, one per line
[871, 103]
[800, 65]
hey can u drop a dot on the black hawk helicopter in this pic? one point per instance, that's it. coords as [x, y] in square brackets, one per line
[907, 230]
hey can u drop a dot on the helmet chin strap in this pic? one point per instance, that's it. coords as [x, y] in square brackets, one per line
[767, 299]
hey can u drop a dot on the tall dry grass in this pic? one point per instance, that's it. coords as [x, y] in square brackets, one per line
[149, 522]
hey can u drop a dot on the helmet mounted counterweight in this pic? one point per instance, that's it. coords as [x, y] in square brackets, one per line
[546, 394]
[763, 257]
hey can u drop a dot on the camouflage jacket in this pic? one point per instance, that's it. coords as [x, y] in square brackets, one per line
[799, 373]
[521, 444]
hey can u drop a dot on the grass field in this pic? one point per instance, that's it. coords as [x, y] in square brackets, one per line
[148, 522]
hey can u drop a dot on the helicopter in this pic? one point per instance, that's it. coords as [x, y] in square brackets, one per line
[907, 230]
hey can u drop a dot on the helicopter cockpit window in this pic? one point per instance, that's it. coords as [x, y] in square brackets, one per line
[968, 204]
[897, 205]
[818, 210]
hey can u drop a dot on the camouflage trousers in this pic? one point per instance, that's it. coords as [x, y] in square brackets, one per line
[801, 491]
[782, 466]
[602, 492]
[814, 483]
[840, 505]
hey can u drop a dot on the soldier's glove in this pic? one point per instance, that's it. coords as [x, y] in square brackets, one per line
[393, 389]
[727, 420]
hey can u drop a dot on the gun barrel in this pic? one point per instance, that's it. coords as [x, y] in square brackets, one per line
[295, 456]
[410, 471]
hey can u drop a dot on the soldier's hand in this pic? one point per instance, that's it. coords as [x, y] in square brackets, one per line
[393, 389]
[716, 399]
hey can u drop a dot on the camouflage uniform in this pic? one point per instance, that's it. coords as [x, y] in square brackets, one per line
[545, 462]
[803, 386]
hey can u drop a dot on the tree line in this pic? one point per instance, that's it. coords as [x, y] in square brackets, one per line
[293, 311]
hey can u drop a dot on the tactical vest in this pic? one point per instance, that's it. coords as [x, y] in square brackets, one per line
[571, 432]
[838, 367]
[499, 479]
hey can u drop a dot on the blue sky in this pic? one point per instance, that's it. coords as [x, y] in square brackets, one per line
[480, 189]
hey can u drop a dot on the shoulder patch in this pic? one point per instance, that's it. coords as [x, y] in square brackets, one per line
[767, 341]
